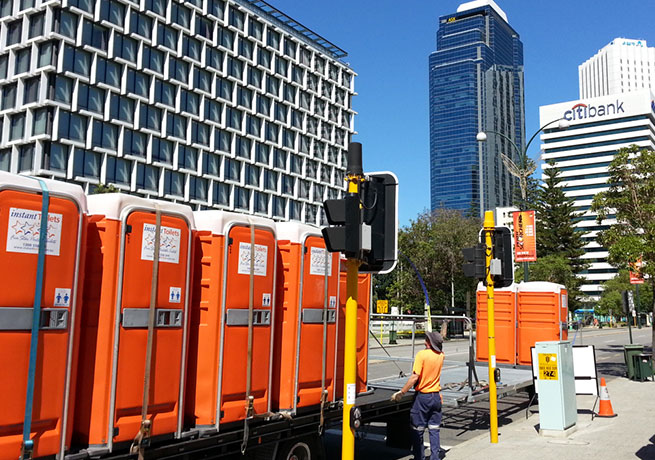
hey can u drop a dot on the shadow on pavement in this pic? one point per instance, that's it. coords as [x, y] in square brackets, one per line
[647, 452]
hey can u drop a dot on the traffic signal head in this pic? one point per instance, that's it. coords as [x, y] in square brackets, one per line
[502, 244]
[345, 217]
[476, 265]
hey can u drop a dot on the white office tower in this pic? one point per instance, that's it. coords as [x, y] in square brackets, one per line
[622, 66]
[599, 127]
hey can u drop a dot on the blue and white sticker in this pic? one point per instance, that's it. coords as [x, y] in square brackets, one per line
[62, 297]
[266, 300]
[333, 301]
[175, 295]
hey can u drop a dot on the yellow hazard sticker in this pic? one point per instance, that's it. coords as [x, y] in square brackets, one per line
[547, 366]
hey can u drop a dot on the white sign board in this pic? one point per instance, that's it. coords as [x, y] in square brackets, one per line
[261, 259]
[317, 262]
[169, 243]
[24, 232]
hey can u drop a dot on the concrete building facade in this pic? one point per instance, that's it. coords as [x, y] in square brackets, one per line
[227, 104]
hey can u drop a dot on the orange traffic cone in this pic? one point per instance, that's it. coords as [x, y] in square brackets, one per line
[605, 408]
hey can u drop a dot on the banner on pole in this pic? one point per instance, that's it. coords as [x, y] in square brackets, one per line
[525, 239]
[636, 277]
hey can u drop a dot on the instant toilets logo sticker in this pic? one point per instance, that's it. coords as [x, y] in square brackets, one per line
[261, 259]
[317, 264]
[24, 231]
[169, 243]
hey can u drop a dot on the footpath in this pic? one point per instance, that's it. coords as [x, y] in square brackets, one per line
[629, 435]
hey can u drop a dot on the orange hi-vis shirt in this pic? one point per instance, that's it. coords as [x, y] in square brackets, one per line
[427, 365]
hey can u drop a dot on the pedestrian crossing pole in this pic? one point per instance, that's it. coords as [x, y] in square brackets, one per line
[489, 228]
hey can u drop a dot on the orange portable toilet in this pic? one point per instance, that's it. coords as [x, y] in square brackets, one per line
[364, 296]
[542, 315]
[504, 324]
[123, 289]
[305, 335]
[38, 361]
[229, 282]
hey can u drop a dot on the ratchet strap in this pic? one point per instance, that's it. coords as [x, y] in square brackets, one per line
[324, 393]
[142, 438]
[28, 444]
[251, 303]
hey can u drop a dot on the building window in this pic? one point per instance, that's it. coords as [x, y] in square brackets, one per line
[199, 133]
[273, 39]
[252, 175]
[255, 77]
[255, 29]
[232, 170]
[63, 89]
[214, 58]
[235, 68]
[47, 54]
[95, 36]
[226, 39]
[273, 85]
[304, 188]
[223, 141]
[22, 63]
[141, 24]
[288, 138]
[108, 72]
[198, 188]
[135, 143]
[279, 206]
[234, 118]
[90, 98]
[105, 135]
[173, 183]
[86, 164]
[189, 102]
[221, 194]
[125, 48]
[122, 108]
[290, 48]
[295, 164]
[37, 22]
[6, 8]
[264, 58]
[241, 198]
[162, 151]
[261, 202]
[213, 110]
[262, 153]
[77, 61]
[202, 80]
[191, 48]
[253, 125]
[178, 69]
[138, 83]
[167, 36]
[270, 180]
[14, 32]
[66, 24]
[288, 184]
[282, 66]
[153, 59]
[176, 125]
[41, 121]
[264, 105]
[243, 145]
[84, 5]
[244, 97]
[16, 126]
[26, 158]
[295, 210]
[165, 93]
[118, 171]
[216, 8]
[187, 158]
[150, 117]
[246, 48]
[9, 96]
[271, 132]
[224, 89]
[204, 27]
[181, 15]
[211, 164]
[55, 157]
[5, 154]
[147, 178]
[280, 159]
[114, 12]
[281, 111]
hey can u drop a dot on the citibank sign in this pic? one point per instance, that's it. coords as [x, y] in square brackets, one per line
[583, 111]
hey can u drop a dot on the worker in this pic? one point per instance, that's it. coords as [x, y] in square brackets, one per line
[426, 410]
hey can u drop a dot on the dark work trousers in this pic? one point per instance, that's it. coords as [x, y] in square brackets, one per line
[426, 413]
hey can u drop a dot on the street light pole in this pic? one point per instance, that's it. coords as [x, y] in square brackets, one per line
[524, 170]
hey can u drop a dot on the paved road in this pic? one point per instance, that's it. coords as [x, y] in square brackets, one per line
[462, 424]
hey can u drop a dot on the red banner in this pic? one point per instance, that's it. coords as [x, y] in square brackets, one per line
[636, 278]
[525, 237]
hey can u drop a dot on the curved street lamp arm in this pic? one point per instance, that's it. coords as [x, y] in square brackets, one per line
[540, 130]
[506, 137]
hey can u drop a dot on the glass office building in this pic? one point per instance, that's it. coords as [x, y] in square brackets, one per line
[476, 84]
[218, 104]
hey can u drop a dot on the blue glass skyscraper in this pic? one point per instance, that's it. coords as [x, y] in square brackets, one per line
[476, 84]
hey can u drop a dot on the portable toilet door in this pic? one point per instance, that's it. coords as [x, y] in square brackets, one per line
[135, 321]
[242, 382]
[504, 324]
[308, 290]
[364, 296]
[542, 314]
[41, 264]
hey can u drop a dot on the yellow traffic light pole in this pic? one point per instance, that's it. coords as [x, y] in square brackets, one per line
[350, 345]
[489, 227]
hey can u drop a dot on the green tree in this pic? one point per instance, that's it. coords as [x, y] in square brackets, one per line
[433, 242]
[104, 188]
[556, 232]
[630, 199]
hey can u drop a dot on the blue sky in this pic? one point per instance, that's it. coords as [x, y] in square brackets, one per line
[388, 43]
